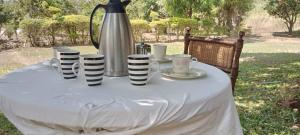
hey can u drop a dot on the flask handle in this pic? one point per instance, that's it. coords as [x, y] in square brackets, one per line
[125, 3]
[91, 24]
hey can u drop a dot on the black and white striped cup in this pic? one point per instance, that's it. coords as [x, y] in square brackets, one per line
[59, 49]
[139, 68]
[65, 60]
[91, 69]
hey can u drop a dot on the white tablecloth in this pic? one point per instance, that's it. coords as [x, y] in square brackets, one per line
[38, 101]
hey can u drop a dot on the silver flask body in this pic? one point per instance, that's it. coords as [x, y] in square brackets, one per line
[116, 42]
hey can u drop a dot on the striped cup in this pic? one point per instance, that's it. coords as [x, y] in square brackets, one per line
[91, 69]
[139, 68]
[65, 60]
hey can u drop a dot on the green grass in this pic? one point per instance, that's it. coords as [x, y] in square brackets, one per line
[272, 47]
[269, 72]
[265, 79]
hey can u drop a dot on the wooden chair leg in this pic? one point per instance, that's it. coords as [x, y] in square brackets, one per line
[233, 85]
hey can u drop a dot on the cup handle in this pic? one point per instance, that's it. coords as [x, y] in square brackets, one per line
[194, 60]
[55, 61]
[150, 73]
[73, 68]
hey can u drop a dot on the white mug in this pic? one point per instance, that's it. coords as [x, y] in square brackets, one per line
[159, 51]
[139, 68]
[91, 69]
[181, 63]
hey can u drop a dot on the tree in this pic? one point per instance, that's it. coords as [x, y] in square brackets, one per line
[44, 8]
[138, 28]
[154, 16]
[32, 30]
[4, 16]
[51, 29]
[32, 7]
[136, 9]
[183, 8]
[230, 13]
[74, 25]
[287, 10]
[16, 15]
[159, 27]
[141, 9]
[179, 24]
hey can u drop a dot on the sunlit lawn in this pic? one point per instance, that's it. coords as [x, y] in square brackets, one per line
[268, 72]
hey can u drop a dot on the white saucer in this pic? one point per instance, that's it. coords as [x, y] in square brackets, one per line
[166, 59]
[193, 74]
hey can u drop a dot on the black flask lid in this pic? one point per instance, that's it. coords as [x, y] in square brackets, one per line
[115, 6]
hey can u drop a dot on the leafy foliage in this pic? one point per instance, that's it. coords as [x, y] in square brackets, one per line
[9, 31]
[50, 29]
[224, 13]
[75, 24]
[159, 27]
[139, 27]
[32, 29]
[230, 13]
[154, 16]
[179, 24]
[182, 8]
[166, 16]
[287, 10]
[4, 15]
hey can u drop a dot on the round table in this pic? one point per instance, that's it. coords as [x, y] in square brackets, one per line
[37, 100]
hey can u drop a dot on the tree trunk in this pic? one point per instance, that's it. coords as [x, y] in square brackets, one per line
[82, 37]
[31, 40]
[141, 37]
[53, 39]
[157, 35]
[17, 36]
[229, 19]
[190, 11]
[290, 27]
[0, 30]
[177, 34]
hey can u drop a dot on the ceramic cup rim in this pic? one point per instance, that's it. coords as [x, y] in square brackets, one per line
[138, 56]
[160, 45]
[67, 51]
[92, 56]
[182, 56]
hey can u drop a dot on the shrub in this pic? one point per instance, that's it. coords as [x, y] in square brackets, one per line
[159, 26]
[9, 31]
[32, 29]
[76, 26]
[154, 16]
[50, 29]
[208, 25]
[179, 24]
[54, 10]
[138, 28]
